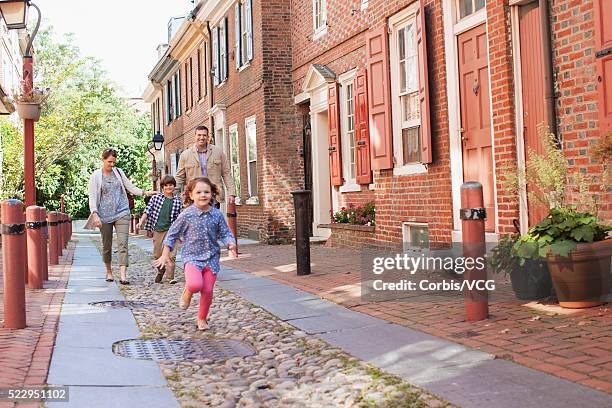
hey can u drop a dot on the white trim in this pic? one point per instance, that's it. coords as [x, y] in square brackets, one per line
[400, 19]
[234, 127]
[470, 21]
[319, 32]
[410, 168]
[350, 188]
[301, 98]
[346, 79]
[250, 121]
[406, 242]
[518, 101]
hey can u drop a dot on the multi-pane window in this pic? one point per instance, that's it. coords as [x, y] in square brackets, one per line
[251, 142]
[203, 75]
[349, 125]
[220, 57]
[408, 72]
[319, 15]
[190, 80]
[176, 94]
[234, 157]
[169, 101]
[244, 32]
[467, 7]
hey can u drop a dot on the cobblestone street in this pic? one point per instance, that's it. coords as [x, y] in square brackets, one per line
[289, 369]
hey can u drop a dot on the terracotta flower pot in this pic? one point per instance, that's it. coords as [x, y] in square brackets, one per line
[583, 278]
[29, 111]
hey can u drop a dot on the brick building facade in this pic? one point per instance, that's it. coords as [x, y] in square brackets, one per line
[397, 102]
[218, 71]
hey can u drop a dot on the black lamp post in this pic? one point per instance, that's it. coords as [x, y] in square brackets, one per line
[156, 143]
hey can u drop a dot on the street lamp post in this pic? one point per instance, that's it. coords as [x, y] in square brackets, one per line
[15, 15]
[156, 143]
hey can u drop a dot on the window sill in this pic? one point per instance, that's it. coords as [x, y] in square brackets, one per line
[252, 201]
[408, 169]
[201, 101]
[221, 84]
[350, 188]
[245, 66]
[319, 33]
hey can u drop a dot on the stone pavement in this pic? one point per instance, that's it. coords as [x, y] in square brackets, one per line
[573, 345]
[25, 354]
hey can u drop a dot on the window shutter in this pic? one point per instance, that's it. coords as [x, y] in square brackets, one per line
[379, 99]
[248, 20]
[225, 48]
[335, 159]
[426, 146]
[603, 44]
[179, 102]
[238, 36]
[362, 129]
[215, 54]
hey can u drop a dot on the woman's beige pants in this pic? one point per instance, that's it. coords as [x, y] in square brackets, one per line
[122, 227]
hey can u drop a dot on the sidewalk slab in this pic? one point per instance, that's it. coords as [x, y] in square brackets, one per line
[462, 375]
[104, 397]
[82, 356]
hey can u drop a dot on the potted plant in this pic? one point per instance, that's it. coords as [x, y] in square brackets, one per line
[28, 100]
[577, 249]
[530, 280]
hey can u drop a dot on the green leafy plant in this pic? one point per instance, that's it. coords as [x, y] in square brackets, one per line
[503, 258]
[360, 215]
[559, 233]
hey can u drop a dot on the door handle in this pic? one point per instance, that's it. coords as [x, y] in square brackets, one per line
[332, 149]
[361, 143]
[603, 53]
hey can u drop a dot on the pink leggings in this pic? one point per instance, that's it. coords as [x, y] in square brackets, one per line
[203, 281]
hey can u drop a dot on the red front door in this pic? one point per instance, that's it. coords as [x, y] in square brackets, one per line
[476, 115]
[534, 106]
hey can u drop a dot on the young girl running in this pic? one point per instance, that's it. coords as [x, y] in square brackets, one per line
[201, 226]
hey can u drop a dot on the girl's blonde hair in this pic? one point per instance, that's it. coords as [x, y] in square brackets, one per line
[191, 185]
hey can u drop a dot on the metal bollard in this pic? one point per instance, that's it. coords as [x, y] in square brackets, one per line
[53, 226]
[232, 221]
[473, 216]
[302, 240]
[35, 234]
[13, 264]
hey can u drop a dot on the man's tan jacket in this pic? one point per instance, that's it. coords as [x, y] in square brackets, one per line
[217, 166]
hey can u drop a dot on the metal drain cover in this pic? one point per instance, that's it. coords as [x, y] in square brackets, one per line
[465, 335]
[118, 304]
[182, 350]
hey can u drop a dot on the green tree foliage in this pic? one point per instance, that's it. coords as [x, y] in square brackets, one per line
[83, 116]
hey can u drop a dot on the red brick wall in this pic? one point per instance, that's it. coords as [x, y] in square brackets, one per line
[353, 238]
[576, 85]
[420, 198]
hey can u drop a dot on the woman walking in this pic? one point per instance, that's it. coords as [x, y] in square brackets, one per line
[109, 207]
[201, 226]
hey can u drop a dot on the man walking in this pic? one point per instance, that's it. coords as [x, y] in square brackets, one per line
[206, 160]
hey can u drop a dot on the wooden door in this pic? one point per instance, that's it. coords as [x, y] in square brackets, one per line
[603, 55]
[534, 105]
[476, 115]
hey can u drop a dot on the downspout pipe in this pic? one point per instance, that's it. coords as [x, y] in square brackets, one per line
[209, 79]
[547, 58]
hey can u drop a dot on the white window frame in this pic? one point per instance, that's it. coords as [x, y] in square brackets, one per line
[319, 9]
[407, 243]
[233, 130]
[474, 11]
[350, 184]
[251, 122]
[222, 51]
[397, 22]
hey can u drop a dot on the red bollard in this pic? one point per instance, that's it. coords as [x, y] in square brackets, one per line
[13, 266]
[70, 227]
[60, 234]
[35, 216]
[53, 238]
[232, 221]
[136, 229]
[473, 216]
[65, 231]
[132, 224]
[43, 247]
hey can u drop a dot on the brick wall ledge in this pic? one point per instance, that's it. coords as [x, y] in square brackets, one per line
[354, 227]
